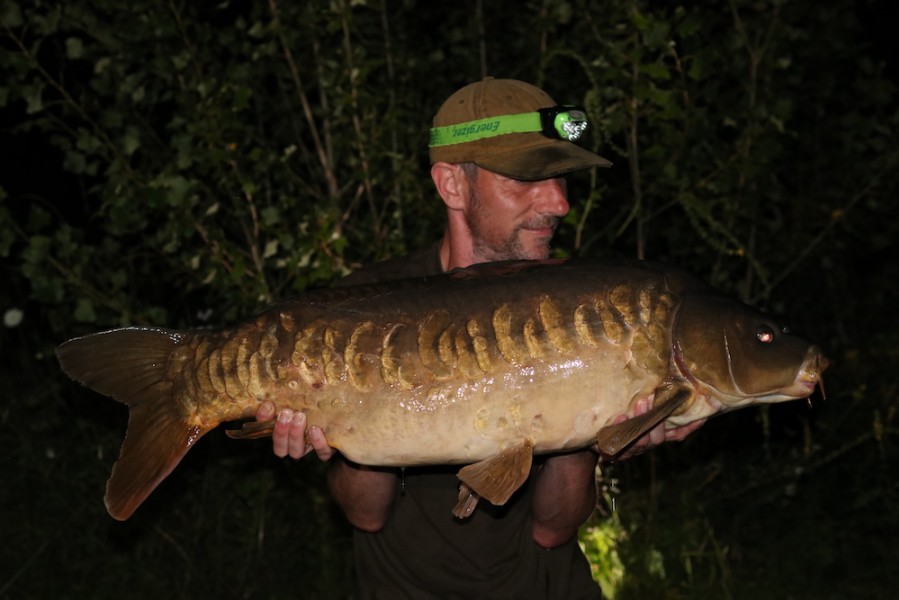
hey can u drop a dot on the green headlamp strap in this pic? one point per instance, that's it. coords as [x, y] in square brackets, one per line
[558, 122]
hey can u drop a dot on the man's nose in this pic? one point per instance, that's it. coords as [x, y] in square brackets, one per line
[552, 197]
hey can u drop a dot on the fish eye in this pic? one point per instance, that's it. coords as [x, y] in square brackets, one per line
[765, 334]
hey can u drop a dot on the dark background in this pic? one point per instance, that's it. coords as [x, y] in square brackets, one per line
[158, 166]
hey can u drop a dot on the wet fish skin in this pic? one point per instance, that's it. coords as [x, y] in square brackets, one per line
[481, 367]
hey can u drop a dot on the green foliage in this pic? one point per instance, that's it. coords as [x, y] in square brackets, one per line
[228, 147]
[720, 112]
[600, 541]
[183, 164]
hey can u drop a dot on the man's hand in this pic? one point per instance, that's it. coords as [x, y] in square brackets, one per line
[365, 494]
[290, 437]
[657, 435]
[565, 490]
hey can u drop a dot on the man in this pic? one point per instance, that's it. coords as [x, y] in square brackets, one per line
[499, 151]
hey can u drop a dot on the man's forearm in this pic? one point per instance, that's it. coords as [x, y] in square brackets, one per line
[564, 496]
[365, 494]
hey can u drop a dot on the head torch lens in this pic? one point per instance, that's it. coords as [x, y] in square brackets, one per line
[563, 122]
[570, 125]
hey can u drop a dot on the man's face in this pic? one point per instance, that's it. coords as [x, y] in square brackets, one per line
[513, 219]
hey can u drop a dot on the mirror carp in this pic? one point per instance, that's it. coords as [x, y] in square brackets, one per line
[481, 367]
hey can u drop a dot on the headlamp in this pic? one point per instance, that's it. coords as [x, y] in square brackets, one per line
[561, 122]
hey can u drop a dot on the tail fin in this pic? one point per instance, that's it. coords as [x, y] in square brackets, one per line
[130, 366]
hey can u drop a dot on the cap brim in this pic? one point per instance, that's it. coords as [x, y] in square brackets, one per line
[544, 160]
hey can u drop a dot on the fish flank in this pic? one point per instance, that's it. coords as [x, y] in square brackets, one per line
[242, 359]
[507, 345]
[429, 344]
[281, 362]
[355, 357]
[267, 348]
[332, 357]
[233, 387]
[613, 328]
[400, 345]
[468, 363]
[447, 350]
[480, 346]
[621, 298]
[533, 340]
[407, 377]
[216, 372]
[553, 324]
[646, 301]
[583, 327]
[287, 322]
[306, 356]
[258, 376]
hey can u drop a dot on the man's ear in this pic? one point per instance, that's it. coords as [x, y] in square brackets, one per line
[452, 185]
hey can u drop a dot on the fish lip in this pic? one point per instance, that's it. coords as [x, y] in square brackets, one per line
[811, 373]
[804, 388]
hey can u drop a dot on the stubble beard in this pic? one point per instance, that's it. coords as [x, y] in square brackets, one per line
[487, 249]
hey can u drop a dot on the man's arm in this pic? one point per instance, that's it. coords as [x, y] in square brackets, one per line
[565, 486]
[364, 494]
[564, 496]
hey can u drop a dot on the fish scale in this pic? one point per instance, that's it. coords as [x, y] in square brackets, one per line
[481, 367]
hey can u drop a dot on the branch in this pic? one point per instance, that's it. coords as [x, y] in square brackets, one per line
[323, 156]
[68, 99]
[357, 123]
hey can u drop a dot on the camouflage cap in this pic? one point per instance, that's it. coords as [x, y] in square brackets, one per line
[522, 153]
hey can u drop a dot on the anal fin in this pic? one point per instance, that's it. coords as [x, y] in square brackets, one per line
[467, 502]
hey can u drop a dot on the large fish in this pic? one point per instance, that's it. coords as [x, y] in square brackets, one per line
[481, 367]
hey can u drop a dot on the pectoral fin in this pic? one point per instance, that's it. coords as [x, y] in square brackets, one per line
[252, 430]
[612, 439]
[495, 478]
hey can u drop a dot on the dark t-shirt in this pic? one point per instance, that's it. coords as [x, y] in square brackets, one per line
[425, 553]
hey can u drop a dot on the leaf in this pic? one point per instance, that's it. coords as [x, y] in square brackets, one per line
[33, 98]
[37, 250]
[131, 141]
[271, 215]
[11, 14]
[84, 311]
[75, 162]
[38, 218]
[655, 71]
[74, 48]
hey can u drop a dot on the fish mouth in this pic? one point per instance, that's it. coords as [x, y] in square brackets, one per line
[811, 374]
